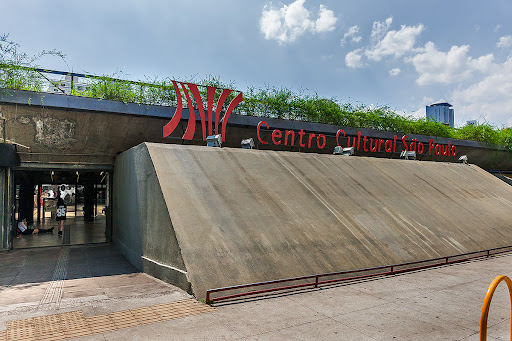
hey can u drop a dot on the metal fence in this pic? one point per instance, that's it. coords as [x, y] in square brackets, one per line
[154, 92]
[314, 281]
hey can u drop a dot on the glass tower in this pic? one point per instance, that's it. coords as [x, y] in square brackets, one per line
[441, 112]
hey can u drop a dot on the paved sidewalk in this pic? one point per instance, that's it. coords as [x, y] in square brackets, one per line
[437, 304]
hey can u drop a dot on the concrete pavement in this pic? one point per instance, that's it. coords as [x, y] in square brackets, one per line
[437, 304]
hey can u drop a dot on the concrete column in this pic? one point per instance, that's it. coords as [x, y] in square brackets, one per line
[76, 199]
[6, 208]
[4, 230]
[26, 200]
[39, 203]
[108, 208]
[89, 193]
[95, 201]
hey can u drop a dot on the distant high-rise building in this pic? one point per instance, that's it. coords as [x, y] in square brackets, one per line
[441, 112]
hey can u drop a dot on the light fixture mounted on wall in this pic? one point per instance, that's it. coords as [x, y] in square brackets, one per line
[214, 141]
[338, 150]
[408, 155]
[248, 143]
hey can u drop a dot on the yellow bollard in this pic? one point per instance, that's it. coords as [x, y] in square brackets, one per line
[487, 303]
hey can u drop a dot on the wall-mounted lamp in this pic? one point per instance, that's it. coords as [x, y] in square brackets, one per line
[248, 143]
[408, 155]
[338, 150]
[214, 141]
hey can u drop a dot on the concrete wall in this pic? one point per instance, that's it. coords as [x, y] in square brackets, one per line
[3, 196]
[143, 229]
[57, 135]
[244, 216]
[6, 197]
[77, 130]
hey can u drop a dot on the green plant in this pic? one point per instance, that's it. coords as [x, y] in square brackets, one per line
[17, 71]
[480, 132]
[505, 138]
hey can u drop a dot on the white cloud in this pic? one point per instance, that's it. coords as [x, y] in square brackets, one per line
[379, 30]
[383, 42]
[353, 59]
[271, 25]
[435, 66]
[490, 97]
[395, 43]
[480, 88]
[352, 35]
[394, 72]
[289, 22]
[505, 42]
[326, 20]
[497, 28]
[483, 86]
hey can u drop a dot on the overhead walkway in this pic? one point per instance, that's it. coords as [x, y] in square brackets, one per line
[203, 218]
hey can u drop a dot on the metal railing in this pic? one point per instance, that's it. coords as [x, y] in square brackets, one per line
[153, 92]
[316, 280]
[487, 303]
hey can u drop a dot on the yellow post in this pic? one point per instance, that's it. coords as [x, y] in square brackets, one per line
[487, 303]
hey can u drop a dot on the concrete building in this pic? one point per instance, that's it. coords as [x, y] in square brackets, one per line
[441, 112]
[202, 217]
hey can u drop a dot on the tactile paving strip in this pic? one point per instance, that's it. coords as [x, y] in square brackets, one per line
[75, 324]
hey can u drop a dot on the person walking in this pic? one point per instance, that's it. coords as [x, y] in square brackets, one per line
[60, 215]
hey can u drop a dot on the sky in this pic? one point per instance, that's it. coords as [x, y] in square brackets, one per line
[400, 53]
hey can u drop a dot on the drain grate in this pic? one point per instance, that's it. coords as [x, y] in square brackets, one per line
[75, 324]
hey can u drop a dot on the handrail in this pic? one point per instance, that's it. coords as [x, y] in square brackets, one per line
[487, 303]
[390, 270]
[85, 75]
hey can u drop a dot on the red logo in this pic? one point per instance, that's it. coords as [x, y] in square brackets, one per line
[191, 127]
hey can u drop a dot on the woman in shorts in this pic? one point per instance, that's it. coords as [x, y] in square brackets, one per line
[60, 215]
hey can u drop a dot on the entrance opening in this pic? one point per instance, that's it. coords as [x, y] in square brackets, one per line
[85, 195]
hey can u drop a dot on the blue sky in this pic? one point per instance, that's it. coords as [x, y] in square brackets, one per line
[404, 54]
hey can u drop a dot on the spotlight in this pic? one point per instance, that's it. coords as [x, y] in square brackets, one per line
[464, 159]
[248, 143]
[408, 155]
[338, 150]
[214, 141]
[348, 151]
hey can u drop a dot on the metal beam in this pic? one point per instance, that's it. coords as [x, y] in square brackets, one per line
[64, 166]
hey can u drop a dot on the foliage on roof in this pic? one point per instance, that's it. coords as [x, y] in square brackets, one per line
[19, 71]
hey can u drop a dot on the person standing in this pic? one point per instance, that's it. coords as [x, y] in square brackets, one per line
[60, 215]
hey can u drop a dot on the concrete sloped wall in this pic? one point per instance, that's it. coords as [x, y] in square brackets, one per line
[242, 216]
[142, 225]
